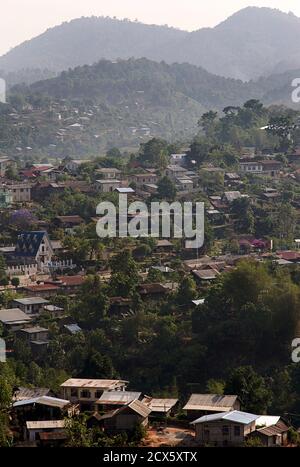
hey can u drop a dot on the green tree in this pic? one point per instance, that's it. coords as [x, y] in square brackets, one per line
[124, 278]
[187, 291]
[251, 389]
[166, 189]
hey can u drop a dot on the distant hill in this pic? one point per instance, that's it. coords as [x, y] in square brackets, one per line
[123, 103]
[156, 83]
[253, 42]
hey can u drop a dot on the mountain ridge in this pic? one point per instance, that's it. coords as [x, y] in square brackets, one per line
[251, 43]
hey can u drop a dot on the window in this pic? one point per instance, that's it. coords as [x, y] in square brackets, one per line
[237, 431]
[74, 393]
[98, 394]
[225, 430]
[85, 395]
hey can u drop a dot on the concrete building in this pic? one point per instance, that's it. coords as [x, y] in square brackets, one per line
[108, 173]
[14, 319]
[86, 392]
[108, 186]
[31, 305]
[224, 429]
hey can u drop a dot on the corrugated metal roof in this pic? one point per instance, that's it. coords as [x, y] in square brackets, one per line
[118, 397]
[234, 416]
[14, 315]
[44, 400]
[273, 430]
[93, 383]
[73, 328]
[162, 405]
[27, 393]
[210, 402]
[34, 330]
[45, 425]
[31, 301]
[138, 407]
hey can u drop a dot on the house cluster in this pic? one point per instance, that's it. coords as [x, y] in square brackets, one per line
[41, 418]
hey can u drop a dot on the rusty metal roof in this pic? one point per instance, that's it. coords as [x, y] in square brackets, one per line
[104, 384]
[45, 425]
[274, 430]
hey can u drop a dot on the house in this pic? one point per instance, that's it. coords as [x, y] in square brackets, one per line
[13, 319]
[57, 247]
[70, 284]
[153, 291]
[21, 192]
[225, 428]
[232, 178]
[126, 418]
[42, 190]
[178, 159]
[291, 256]
[205, 404]
[161, 407]
[37, 337]
[107, 186]
[270, 168]
[164, 246]
[68, 223]
[42, 408]
[31, 305]
[205, 275]
[185, 184]
[175, 172]
[271, 431]
[108, 173]
[36, 429]
[73, 166]
[41, 290]
[87, 392]
[230, 196]
[140, 180]
[151, 188]
[111, 400]
[35, 246]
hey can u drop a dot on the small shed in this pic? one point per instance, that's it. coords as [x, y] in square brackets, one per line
[127, 418]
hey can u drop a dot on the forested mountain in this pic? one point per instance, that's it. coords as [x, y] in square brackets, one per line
[156, 83]
[144, 82]
[249, 44]
[124, 103]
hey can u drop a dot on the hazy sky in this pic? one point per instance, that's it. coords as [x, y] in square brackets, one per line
[23, 19]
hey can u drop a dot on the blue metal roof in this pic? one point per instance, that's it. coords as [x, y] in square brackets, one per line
[28, 243]
[233, 416]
